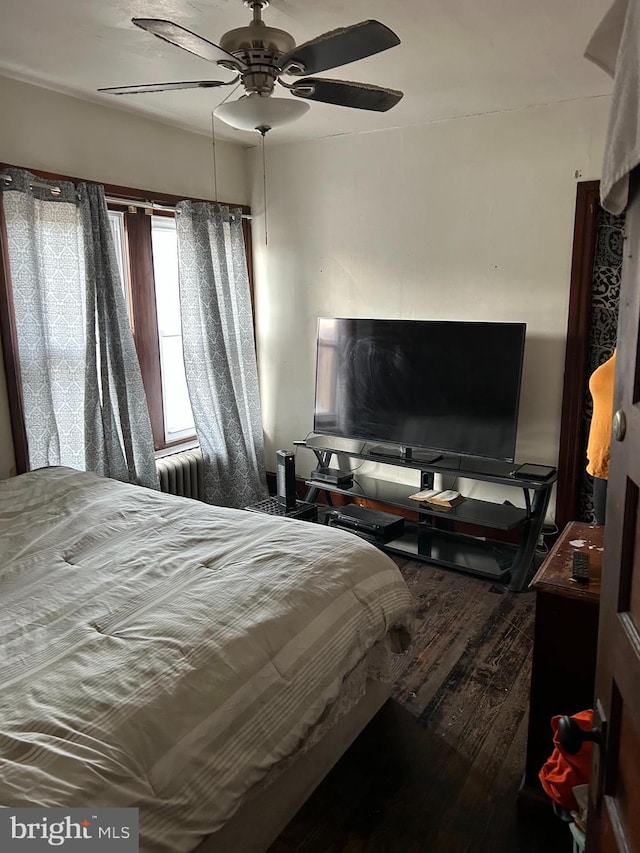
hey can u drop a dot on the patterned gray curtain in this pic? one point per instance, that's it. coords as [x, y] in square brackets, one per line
[84, 402]
[219, 352]
[603, 328]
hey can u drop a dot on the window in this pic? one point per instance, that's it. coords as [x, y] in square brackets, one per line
[178, 417]
[174, 423]
[116, 221]
[146, 251]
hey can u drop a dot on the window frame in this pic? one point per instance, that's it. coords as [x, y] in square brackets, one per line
[137, 206]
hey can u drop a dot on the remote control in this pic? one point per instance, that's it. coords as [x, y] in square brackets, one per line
[580, 570]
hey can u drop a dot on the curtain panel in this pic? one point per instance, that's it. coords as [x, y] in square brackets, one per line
[219, 352]
[84, 402]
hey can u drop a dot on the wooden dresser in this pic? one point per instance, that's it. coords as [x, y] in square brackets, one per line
[565, 643]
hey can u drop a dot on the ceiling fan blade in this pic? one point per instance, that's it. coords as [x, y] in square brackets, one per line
[360, 96]
[166, 87]
[338, 47]
[177, 35]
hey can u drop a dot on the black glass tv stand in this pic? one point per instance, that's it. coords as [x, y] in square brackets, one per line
[439, 536]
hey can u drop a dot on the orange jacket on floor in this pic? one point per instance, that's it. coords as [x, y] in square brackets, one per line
[562, 772]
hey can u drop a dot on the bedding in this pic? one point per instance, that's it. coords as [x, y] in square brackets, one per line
[161, 653]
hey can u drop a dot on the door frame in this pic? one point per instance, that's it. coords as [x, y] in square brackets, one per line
[571, 461]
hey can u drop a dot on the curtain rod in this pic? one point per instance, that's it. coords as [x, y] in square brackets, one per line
[130, 202]
[153, 205]
[52, 189]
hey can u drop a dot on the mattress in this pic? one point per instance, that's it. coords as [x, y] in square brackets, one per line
[160, 653]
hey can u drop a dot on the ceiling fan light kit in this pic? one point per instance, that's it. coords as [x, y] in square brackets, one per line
[256, 112]
[259, 55]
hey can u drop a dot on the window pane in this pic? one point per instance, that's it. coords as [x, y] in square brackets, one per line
[165, 270]
[116, 221]
[177, 408]
[178, 418]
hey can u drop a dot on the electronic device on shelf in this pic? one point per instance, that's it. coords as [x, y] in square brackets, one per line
[533, 472]
[423, 387]
[286, 478]
[272, 506]
[333, 476]
[379, 526]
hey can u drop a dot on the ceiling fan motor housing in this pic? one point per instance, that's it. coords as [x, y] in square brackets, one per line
[257, 35]
[259, 47]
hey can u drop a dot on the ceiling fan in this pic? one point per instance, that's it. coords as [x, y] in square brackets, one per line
[260, 56]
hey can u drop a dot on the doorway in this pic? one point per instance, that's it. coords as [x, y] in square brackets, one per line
[591, 338]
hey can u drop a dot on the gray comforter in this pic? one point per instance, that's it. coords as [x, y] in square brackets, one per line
[161, 653]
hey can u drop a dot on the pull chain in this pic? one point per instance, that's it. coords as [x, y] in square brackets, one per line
[263, 130]
[215, 170]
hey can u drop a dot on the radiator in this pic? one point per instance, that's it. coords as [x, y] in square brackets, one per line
[182, 474]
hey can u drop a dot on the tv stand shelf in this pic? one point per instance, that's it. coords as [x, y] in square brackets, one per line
[471, 511]
[470, 554]
[505, 562]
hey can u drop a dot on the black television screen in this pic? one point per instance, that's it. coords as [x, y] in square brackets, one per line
[440, 385]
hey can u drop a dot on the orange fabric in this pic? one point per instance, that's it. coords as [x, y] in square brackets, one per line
[561, 772]
[601, 387]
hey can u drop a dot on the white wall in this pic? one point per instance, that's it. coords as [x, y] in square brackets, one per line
[41, 129]
[464, 219]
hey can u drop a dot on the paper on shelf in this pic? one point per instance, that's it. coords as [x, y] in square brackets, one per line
[448, 497]
[425, 494]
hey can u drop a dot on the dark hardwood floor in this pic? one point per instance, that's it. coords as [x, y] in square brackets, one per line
[438, 769]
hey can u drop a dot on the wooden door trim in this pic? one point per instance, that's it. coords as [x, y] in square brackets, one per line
[571, 461]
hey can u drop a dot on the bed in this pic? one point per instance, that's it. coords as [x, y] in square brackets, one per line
[202, 664]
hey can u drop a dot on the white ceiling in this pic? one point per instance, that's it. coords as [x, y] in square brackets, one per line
[456, 57]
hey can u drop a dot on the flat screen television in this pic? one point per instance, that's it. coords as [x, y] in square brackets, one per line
[442, 386]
